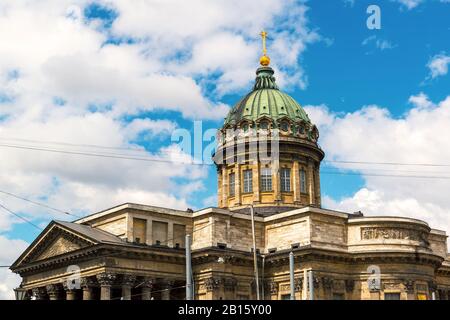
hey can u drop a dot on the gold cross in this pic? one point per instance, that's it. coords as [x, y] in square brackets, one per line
[264, 36]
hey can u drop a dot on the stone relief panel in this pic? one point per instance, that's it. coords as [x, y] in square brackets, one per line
[375, 233]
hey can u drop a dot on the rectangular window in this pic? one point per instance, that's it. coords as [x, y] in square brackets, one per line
[266, 179]
[285, 297]
[159, 230]
[139, 230]
[231, 184]
[179, 235]
[302, 181]
[285, 180]
[392, 296]
[248, 181]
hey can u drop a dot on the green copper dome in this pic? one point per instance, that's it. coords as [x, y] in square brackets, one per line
[266, 101]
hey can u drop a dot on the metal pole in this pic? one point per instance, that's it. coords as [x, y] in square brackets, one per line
[255, 261]
[262, 276]
[189, 294]
[311, 285]
[291, 273]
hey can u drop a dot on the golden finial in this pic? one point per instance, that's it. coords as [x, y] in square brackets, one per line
[264, 60]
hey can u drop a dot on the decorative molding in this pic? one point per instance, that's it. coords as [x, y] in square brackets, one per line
[391, 285]
[88, 282]
[40, 293]
[106, 279]
[298, 284]
[53, 289]
[327, 283]
[409, 285]
[212, 283]
[374, 233]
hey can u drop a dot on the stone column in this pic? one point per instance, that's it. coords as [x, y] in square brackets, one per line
[54, 291]
[106, 280]
[212, 285]
[71, 292]
[256, 182]
[128, 281]
[166, 287]
[87, 284]
[224, 186]
[40, 293]
[276, 183]
[311, 187]
[317, 184]
[219, 188]
[147, 287]
[296, 182]
[237, 184]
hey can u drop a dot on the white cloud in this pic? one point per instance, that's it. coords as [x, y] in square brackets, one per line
[9, 251]
[67, 78]
[438, 65]
[409, 4]
[381, 44]
[373, 134]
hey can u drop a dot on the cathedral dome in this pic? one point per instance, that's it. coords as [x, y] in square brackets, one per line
[267, 107]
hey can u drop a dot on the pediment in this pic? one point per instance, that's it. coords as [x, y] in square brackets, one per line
[55, 242]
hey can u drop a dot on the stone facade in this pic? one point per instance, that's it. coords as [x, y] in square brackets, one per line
[341, 249]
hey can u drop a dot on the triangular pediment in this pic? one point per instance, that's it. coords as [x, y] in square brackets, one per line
[54, 241]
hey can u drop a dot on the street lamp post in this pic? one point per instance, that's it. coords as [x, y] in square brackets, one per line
[20, 293]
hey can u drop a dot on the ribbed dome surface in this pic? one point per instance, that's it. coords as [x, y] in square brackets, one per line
[266, 101]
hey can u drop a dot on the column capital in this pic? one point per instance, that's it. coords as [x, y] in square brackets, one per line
[148, 283]
[106, 279]
[87, 282]
[212, 283]
[166, 283]
[128, 280]
[40, 293]
[53, 289]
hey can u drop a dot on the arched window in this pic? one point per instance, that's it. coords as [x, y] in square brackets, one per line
[284, 126]
[264, 125]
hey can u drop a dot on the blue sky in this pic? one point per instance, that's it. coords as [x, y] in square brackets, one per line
[112, 77]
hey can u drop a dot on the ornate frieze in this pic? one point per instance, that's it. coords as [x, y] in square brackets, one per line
[374, 233]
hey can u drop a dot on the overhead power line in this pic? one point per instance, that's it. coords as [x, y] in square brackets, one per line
[162, 160]
[38, 203]
[20, 217]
